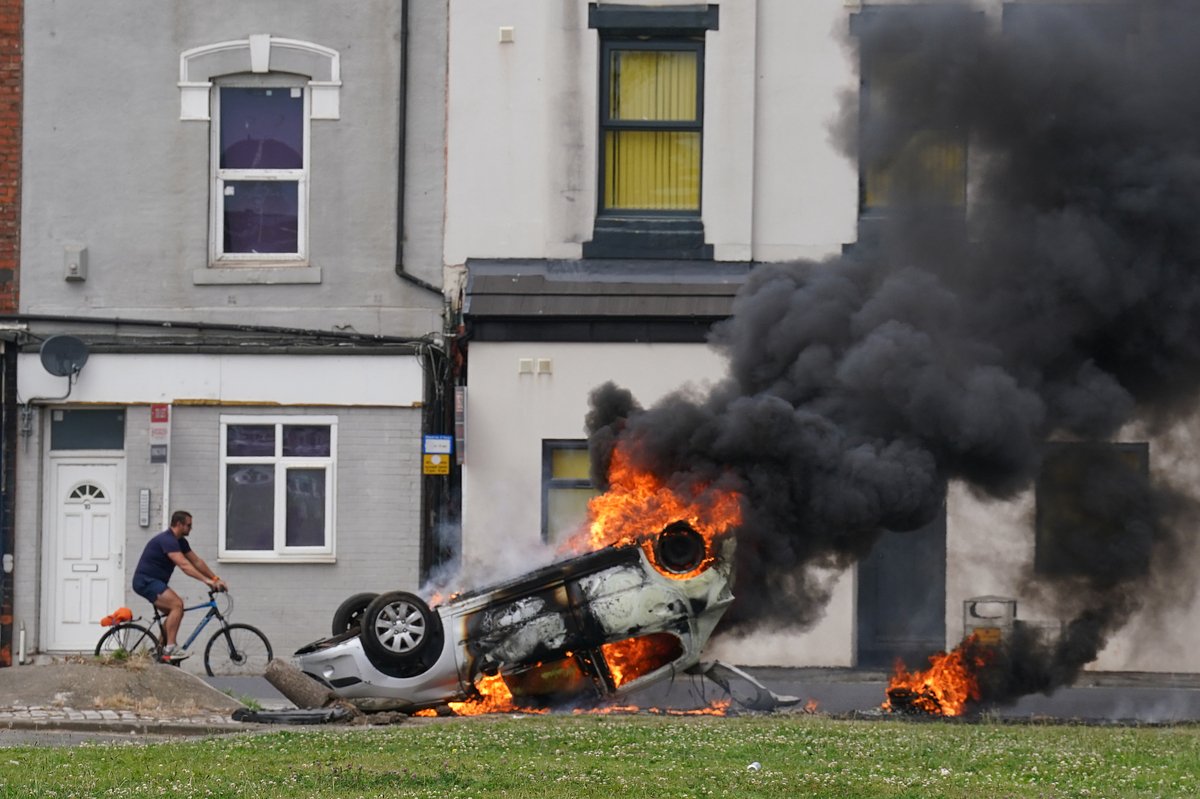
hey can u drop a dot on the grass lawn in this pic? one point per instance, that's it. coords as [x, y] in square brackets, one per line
[631, 756]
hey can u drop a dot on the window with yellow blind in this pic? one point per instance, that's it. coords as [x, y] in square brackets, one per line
[920, 167]
[930, 169]
[566, 488]
[927, 167]
[651, 126]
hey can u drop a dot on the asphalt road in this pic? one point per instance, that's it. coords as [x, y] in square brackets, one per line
[1100, 698]
[1096, 699]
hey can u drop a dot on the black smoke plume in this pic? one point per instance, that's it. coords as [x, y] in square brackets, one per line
[953, 342]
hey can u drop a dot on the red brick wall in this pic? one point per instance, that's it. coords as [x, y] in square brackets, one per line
[10, 151]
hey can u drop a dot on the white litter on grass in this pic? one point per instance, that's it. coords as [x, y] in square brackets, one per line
[755, 766]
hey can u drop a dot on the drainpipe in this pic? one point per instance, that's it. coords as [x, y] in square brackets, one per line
[435, 493]
[402, 140]
[8, 437]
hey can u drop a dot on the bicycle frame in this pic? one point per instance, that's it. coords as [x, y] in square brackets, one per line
[211, 604]
[213, 612]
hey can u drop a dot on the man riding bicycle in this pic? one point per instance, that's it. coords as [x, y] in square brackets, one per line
[162, 554]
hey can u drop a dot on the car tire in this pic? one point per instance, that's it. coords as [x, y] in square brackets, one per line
[348, 615]
[679, 548]
[397, 628]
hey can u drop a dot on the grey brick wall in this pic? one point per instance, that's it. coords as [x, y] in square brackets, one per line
[27, 564]
[377, 518]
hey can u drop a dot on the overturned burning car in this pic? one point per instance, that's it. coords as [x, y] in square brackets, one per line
[580, 630]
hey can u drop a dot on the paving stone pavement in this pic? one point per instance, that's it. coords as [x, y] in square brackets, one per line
[43, 717]
[82, 695]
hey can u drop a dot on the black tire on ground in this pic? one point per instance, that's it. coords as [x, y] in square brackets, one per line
[238, 650]
[127, 639]
[349, 614]
[397, 628]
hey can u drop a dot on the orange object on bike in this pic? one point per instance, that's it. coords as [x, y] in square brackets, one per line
[119, 615]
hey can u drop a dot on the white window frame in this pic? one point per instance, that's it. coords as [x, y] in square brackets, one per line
[282, 552]
[217, 255]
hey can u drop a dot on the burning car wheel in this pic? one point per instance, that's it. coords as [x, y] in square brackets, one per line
[397, 627]
[349, 614]
[679, 548]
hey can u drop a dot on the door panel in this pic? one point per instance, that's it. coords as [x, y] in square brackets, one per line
[86, 553]
[902, 598]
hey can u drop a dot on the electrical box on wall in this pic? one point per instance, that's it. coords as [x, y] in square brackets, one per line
[75, 262]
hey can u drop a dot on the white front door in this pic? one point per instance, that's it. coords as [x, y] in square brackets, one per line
[85, 548]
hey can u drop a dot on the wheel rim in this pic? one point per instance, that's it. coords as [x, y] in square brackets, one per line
[126, 641]
[237, 651]
[400, 627]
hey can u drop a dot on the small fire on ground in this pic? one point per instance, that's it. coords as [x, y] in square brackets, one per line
[495, 697]
[947, 688]
[718, 707]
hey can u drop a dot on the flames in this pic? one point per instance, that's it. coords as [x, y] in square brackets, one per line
[718, 707]
[440, 598]
[627, 660]
[638, 504]
[946, 688]
[494, 696]
[635, 657]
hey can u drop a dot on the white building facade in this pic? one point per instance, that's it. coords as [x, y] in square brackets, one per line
[572, 279]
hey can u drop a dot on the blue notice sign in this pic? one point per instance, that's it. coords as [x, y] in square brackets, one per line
[438, 445]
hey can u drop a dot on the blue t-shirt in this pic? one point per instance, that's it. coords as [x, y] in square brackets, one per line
[155, 561]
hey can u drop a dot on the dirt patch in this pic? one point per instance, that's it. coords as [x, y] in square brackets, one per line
[95, 684]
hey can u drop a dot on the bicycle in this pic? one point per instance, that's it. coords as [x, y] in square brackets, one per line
[244, 649]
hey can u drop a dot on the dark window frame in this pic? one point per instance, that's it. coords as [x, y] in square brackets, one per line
[860, 22]
[1051, 553]
[635, 233]
[606, 124]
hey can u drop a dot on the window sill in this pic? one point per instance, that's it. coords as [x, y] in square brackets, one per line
[673, 238]
[255, 275]
[273, 557]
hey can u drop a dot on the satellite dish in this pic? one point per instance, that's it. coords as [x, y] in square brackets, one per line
[63, 356]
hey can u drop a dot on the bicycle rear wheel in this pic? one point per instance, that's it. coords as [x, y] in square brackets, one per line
[237, 650]
[126, 640]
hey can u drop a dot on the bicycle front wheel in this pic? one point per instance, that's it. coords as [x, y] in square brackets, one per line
[127, 640]
[237, 650]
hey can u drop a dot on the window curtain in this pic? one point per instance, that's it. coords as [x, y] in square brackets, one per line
[567, 492]
[929, 167]
[652, 170]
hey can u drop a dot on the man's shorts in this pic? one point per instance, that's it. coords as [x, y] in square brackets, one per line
[148, 587]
